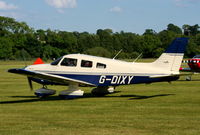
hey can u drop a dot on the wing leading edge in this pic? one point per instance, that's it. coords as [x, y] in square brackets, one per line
[48, 77]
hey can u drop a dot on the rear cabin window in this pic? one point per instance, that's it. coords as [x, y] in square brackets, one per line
[101, 65]
[69, 62]
[86, 63]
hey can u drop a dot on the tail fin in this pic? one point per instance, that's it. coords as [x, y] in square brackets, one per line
[171, 59]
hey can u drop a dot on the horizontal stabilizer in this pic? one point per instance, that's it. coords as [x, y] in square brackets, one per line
[160, 76]
[172, 75]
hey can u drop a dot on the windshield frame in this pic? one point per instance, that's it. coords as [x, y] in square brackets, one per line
[56, 62]
[197, 57]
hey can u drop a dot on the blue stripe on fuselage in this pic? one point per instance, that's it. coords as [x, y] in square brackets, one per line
[108, 80]
[115, 80]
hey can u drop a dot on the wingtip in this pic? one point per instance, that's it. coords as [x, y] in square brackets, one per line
[12, 70]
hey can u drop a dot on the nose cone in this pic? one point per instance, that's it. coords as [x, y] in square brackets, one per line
[13, 70]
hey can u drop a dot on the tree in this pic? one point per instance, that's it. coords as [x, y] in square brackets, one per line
[194, 30]
[191, 30]
[105, 37]
[192, 48]
[5, 48]
[149, 32]
[67, 41]
[50, 52]
[98, 51]
[197, 39]
[174, 28]
[17, 39]
[22, 55]
[166, 37]
[9, 25]
[186, 29]
[87, 41]
[149, 45]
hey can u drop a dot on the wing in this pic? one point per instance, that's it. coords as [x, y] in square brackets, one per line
[48, 77]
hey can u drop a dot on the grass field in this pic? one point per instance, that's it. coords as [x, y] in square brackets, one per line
[154, 109]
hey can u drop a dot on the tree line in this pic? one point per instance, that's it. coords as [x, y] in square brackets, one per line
[18, 41]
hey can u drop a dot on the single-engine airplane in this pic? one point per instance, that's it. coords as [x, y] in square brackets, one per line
[77, 70]
[194, 66]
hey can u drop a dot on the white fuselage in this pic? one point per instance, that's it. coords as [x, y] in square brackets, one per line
[109, 72]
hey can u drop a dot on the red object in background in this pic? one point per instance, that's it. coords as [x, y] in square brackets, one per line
[38, 61]
[194, 63]
[180, 68]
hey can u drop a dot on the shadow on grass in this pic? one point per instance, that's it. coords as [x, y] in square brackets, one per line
[31, 99]
[86, 95]
[137, 97]
[193, 80]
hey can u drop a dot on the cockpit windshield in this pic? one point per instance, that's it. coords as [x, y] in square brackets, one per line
[56, 61]
[197, 56]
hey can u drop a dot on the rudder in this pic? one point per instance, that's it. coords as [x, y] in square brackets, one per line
[171, 59]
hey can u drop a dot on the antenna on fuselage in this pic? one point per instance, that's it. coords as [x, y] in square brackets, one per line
[117, 54]
[137, 57]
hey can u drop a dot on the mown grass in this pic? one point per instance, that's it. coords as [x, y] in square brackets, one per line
[154, 109]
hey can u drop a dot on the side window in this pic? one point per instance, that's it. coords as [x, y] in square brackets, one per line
[69, 62]
[86, 63]
[100, 65]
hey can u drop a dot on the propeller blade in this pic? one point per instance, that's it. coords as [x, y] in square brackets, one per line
[30, 83]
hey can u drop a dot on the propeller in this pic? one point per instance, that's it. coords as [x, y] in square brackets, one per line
[30, 83]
